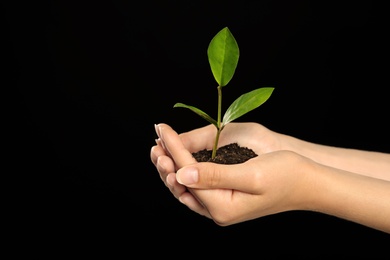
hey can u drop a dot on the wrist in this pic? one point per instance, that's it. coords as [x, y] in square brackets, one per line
[309, 184]
[290, 143]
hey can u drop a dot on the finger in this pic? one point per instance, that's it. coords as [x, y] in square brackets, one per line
[155, 152]
[208, 175]
[174, 146]
[199, 139]
[176, 188]
[165, 166]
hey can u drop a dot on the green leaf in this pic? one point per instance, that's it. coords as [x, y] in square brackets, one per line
[199, 112]
[246, 103]
[223, 54]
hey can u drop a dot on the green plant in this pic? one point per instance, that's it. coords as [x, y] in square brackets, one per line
[223, 54]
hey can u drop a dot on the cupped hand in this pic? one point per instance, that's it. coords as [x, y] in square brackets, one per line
[229, 194]
[268, 184]
[253, 135]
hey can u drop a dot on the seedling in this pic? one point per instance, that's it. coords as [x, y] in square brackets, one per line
[223, 54]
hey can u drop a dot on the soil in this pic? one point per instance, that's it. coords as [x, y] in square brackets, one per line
[228, 154]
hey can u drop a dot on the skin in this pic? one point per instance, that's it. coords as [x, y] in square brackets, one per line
[288, 174]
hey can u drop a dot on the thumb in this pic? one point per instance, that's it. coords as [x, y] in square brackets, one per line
[206, 175]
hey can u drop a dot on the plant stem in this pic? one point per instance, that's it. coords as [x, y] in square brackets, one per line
[219, 128]
[214, 153]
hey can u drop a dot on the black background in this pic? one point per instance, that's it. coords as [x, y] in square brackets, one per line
[89, 80]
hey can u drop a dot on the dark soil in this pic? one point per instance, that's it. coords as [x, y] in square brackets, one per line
[228, 154]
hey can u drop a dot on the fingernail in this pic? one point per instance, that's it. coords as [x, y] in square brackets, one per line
[157, 129]
[187, 176]
[169, 182]
[159, 141]
[181, 199]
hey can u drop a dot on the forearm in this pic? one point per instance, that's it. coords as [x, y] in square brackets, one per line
[369, 163]
[350, 196]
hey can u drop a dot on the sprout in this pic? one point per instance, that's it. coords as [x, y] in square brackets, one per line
[223, 54]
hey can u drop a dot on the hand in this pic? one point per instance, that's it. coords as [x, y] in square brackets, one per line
[261, 186]
[252, 135]
[287, 174]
